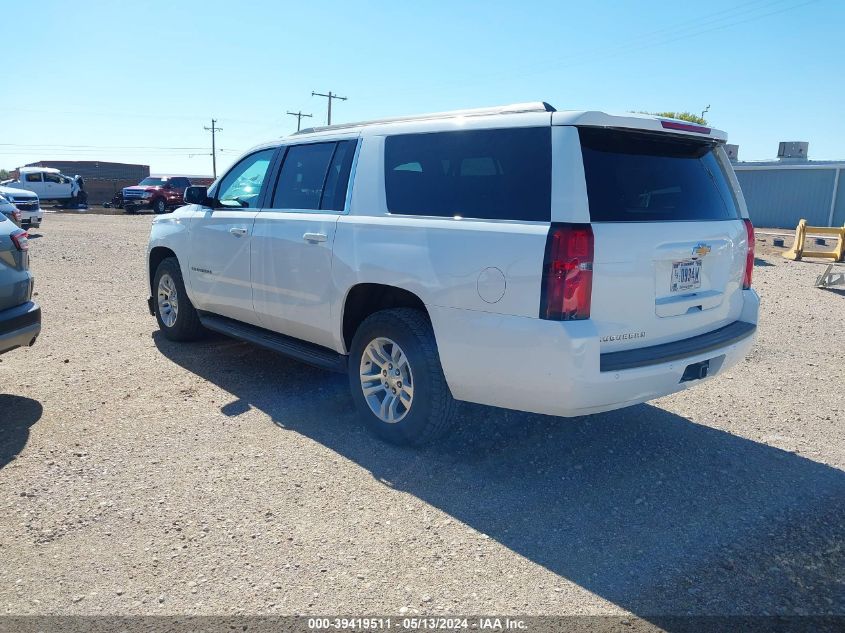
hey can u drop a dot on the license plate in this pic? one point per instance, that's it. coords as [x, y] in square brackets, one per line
[686, 275]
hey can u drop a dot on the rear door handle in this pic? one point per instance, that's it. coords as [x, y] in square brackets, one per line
[238, 231]
[315, 237]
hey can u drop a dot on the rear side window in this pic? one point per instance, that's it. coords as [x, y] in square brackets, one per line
[490, 174]
[635, 177]
[33, 177]
[337, 180]
[314, 176]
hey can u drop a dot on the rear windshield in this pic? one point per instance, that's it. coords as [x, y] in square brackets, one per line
[634, 177]
[493, 174]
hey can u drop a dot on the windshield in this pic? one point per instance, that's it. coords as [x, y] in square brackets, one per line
[153, 182]
[637, 177]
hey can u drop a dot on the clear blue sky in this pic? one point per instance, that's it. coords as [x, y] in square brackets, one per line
[133, 80]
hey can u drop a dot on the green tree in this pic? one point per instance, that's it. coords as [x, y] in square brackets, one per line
[4, 174]
[683, 116]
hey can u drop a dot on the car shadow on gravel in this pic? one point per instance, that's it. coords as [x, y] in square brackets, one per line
[659, 514]
[17, 414]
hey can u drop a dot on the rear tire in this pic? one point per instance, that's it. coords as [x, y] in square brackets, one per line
[394, 359]
[177, 318]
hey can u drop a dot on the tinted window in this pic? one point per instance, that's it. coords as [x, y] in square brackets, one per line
[334, 194]
[33, 177]
[241, 187]
[303, 176]
[633, 177]
[51, 177]
[496, 174]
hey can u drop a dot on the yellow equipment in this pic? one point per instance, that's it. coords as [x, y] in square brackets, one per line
[798, 251]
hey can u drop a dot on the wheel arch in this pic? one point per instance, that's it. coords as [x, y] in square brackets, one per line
[157, 255]
[365, 299]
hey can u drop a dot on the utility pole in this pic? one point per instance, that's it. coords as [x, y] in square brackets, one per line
[298, 116]
[213, 129]
[329, 96]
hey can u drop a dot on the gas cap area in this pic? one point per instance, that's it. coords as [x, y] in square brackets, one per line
[491, 285]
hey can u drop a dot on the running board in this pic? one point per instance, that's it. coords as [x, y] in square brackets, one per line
[294, 348]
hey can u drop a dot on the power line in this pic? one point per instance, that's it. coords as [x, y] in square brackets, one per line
[329, 96]
[52, 145]
[690, 28]
[213, 129]
[299, 115]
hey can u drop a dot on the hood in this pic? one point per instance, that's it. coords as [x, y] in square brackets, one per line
[142, 188]
[18, 193]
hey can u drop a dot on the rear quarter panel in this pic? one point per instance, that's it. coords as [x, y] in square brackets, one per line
[488, 266]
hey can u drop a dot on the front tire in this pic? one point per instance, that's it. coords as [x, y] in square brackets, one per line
[159, 207]
[396, 379]
[177, 318]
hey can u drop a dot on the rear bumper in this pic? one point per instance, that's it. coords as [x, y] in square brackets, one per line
[556, 368]
[19, 326]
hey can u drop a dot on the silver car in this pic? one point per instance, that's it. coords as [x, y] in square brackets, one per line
[20, 317]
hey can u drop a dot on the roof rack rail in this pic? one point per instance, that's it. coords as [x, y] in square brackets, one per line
[514, 108]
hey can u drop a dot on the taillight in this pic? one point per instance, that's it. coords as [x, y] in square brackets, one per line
[749, 256]
[567, 273]
[21, 240]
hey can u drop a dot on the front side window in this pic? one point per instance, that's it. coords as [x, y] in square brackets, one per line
[491, 174]
[50, 177]
[241, 187]
[33, 177]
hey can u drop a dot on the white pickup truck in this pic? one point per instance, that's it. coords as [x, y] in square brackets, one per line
[555, 262]
[50, 184]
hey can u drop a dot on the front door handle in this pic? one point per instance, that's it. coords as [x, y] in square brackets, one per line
[238, 231]
[315, 237]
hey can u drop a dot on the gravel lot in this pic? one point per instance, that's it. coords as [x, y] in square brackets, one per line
[141, 476]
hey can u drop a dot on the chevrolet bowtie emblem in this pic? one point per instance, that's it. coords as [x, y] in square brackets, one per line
[700, 250]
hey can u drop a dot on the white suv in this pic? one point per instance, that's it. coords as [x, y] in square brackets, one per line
[554, 262]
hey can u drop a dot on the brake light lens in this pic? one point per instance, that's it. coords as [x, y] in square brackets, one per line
[684, 127]
[21, 240]
[568, 273]
[749, 256]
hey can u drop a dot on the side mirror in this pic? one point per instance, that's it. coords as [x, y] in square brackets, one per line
[197, 195]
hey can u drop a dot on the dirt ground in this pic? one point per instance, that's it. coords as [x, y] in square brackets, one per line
[139, 476]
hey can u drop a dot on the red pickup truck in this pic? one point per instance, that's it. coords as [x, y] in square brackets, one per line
[159, 193]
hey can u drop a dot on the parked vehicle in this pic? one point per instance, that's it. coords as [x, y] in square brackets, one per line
[20, 317]
[10, 211]
[50, 184]
[563, 263]
[157, 193]
[27, 203]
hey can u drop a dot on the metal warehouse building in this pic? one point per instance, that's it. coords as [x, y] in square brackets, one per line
[779, 193]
